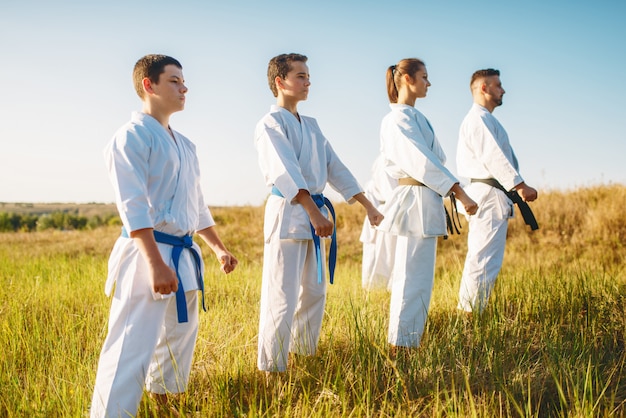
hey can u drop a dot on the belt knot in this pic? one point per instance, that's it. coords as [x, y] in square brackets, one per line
[178, 244]
[321, 201]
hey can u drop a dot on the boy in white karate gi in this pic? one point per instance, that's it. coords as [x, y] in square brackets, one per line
[155, 266]
[297, 161]
[485, 156]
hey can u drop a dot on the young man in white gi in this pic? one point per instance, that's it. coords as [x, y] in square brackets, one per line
[378, 246]
[485, 156]
[414, 212]
[155, 266]
[297, 161]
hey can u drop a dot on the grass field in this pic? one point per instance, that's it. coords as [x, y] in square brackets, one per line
[550, 344]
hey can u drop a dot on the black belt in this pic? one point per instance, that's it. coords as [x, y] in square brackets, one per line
[527, 213]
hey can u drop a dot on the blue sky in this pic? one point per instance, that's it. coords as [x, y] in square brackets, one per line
[67, 84]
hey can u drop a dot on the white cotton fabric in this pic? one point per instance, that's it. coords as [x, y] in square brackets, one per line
[411, 289]
[484, 151]
[292, 302]
[293, 155]
[411, 149]
[486, 240]
[157, 185]
[378, 246]
[415, 214]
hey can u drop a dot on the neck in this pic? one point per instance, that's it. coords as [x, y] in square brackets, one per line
[484, 103]
[291, 106]
[162, 117]
[405, 98]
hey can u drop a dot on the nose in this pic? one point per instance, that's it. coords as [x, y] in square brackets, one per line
[184, 89]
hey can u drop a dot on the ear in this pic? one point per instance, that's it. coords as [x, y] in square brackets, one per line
[279, 83]
[147, 85]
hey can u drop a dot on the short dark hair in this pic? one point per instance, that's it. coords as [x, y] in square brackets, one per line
[279, 66]
[394, 75]
[480, 74]
[151, 66]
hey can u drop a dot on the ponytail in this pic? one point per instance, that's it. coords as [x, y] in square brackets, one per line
[392, 89]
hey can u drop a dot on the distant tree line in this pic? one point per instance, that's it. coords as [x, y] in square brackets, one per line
[28, 222]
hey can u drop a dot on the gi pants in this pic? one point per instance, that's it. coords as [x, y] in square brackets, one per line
[485, 250]
[145, 345]
[411, 289]
[292, 302]
[378, 258]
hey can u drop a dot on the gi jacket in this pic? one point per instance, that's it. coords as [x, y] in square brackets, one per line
[484, 151]
[157, 185]
[295, 155]
[411, 149]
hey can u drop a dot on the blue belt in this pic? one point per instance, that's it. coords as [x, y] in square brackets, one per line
[320, 201]
[178, 244]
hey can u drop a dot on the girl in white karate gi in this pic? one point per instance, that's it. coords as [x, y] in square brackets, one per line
[297, 161]
[414, 212]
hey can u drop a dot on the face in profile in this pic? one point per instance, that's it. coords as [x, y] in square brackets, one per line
[170, 90]
[418, 84]
[296, 84]
[494, 90]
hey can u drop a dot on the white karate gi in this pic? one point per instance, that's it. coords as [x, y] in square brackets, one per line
[293, 155]
[484, 152]
[157, 185]
[415, 214]
[378, 246]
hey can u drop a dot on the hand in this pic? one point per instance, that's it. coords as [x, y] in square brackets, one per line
[323, 226]
[374, 216]
[469, 205]
[163, 279]
[228, 262]
[527, 193]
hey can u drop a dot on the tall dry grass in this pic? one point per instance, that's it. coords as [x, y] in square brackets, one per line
[551, 342]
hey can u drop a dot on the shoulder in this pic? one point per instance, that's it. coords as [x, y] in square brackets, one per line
[478, 116]
[271, 119]
[479, 112]
[133, 132]
[141, 126]
[401, 115]
[403, 112]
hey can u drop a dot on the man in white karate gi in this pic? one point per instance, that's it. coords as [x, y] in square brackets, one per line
[485, 156]
[378, 246]
[297, 161]
[155, 267]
